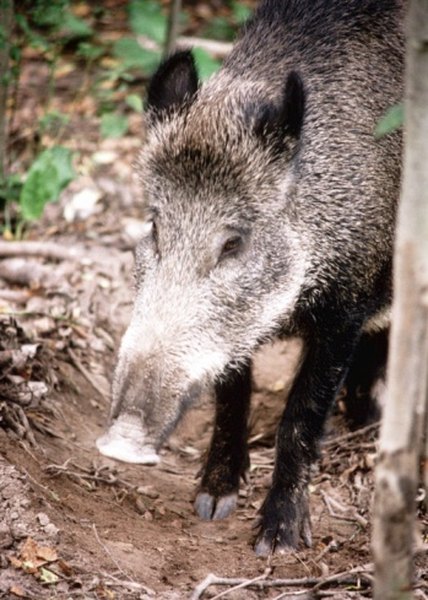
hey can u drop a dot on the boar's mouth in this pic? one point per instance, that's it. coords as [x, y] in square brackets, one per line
[125, 440]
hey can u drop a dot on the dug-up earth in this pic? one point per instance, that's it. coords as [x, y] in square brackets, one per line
[74, 524]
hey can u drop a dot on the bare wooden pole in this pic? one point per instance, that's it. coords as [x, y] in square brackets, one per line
[6, 19]
[404, 421]
[171, 38]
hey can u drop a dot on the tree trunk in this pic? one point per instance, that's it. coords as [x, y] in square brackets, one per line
[6, 17]
[404, 421]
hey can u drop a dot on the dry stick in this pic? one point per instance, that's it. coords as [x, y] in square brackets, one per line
[44, 249]
[349, 436]
[317, 582]
[113, 559]
[131, 585]
[86, 374]
[245, 584]
[219, 49]
[355, 518]
[15, 296]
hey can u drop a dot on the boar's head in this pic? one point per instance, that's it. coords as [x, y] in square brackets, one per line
[222, 261]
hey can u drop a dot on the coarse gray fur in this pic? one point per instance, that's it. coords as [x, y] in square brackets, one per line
[314, 220]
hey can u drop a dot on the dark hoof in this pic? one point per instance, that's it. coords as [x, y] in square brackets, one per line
[210, 508]
[282, 525]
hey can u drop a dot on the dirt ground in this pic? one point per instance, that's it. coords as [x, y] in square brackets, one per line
[74, 524]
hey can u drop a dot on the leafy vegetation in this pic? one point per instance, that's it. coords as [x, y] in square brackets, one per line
[391, 121]
[64, 34]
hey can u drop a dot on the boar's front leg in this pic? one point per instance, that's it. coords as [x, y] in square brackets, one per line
[227, 458]
[284, 517]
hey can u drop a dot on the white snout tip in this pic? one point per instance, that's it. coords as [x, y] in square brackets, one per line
[124, 441]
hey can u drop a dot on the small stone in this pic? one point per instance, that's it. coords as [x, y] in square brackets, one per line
[149, 491]
[43, 519]
[19, 531]
[51, 530]
[6, 539]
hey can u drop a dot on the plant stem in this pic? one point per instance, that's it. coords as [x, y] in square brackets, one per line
[6, 20]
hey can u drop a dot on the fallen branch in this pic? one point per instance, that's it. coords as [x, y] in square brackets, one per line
[15, 296]
[86, 374]
[84, 475]
[44, 249]
[134, 586]
[334, 441]
[348, 577]
[218, 49]
[26, 272]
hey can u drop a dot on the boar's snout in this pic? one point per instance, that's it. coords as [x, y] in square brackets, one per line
[125, 440]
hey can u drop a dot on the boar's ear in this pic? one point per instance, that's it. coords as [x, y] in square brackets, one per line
[175, 81]
[284, 120]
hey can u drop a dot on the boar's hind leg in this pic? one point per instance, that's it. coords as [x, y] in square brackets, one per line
[367, 370]
[227, 458]
[284, 518]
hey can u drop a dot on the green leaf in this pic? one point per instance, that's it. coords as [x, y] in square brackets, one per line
[146, 18]
[133, 55]
[49, 13]
[33, 38]
[52, 121]
[241, 12]
[219, 28]
[10, 188]
[89, 51]
[206, 64]
[74, 27]
[49, 174]
[113, 125]
[391, 121]
[134, 102]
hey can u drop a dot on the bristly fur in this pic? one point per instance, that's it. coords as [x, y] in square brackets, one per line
[271, 211]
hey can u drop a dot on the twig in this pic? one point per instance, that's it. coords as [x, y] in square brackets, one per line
[262, 582]
[129, 579]
[349, 436]
[131, 585]
[214, 47]
[78, 365]
[212, 579]
[244, 584]
[16, 296]
[355, 518]
[84, 475]
[45, 249]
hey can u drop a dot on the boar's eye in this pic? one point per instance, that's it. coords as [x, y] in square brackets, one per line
[155, 233]
[231, 246]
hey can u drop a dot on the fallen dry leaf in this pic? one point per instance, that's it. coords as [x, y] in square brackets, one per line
[19, 591]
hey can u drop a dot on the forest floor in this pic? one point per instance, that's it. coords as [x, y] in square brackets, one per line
[74, 524]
